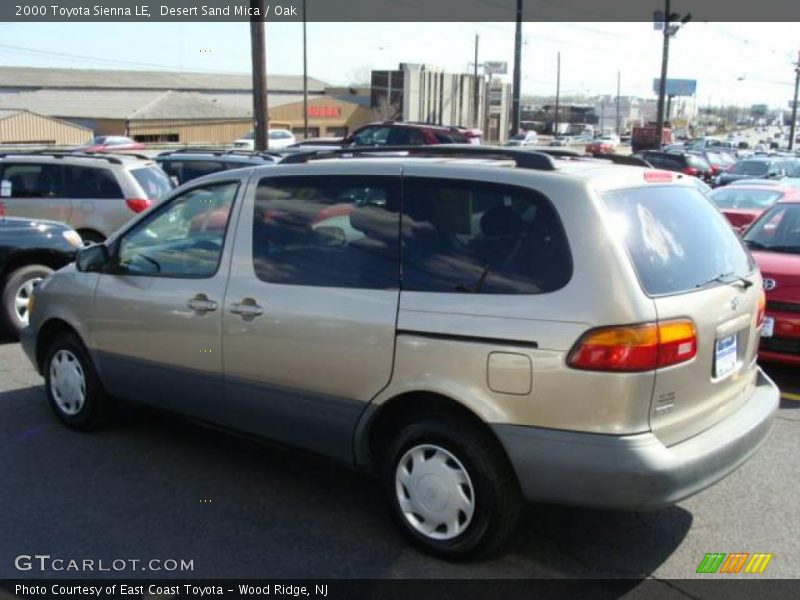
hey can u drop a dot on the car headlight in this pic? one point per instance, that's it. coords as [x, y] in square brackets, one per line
[73, 238]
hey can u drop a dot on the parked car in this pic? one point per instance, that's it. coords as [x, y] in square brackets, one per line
[30, 250]
[529, 138]
[111, 143]
[718, 161]
[681, 162]
[605, 144]
[407, 133]
[278, 138]
[92, 193]
[561, 140]
[743, 203]
[755, 167]
[564, 338]
[185, 165]
[774, 240]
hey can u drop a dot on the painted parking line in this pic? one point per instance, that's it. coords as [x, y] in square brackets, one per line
[788, 396]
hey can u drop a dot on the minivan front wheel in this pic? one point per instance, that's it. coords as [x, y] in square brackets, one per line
[72, 385]
[451, 488]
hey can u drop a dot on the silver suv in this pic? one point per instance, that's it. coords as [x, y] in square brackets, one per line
[474, 332]
[93, 193]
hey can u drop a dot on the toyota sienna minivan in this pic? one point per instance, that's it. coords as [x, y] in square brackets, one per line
[475, 327]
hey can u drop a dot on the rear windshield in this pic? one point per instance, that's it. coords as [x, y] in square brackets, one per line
[750, 167]
[154, 182]
[675, 237]
[743, 198]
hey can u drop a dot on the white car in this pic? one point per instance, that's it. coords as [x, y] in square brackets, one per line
[278, 138]
[529, 138]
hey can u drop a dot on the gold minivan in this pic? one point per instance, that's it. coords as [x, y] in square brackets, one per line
[476, 328]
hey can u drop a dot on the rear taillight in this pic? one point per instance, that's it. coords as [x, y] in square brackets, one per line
[714, 170]
[762, 307]
[635, 347]
[2, 210]
[137, 205]
[690, 171]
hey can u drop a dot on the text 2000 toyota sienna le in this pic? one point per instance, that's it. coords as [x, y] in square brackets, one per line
[474, 332]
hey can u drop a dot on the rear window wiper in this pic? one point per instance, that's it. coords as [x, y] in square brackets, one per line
[727, 278]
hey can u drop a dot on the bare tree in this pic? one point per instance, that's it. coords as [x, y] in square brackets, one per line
[360, 76]
[385, 110]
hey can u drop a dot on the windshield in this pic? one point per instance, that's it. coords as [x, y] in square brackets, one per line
[777, 230]
[750, 167]
[675, 238]
[743, 198]
[154, 182]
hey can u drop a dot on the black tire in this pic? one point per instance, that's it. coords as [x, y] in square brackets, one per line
[13, 283]
[497, 501]
[98, 407]
[91, 237]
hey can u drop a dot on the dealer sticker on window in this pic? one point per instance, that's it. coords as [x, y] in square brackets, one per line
[768, 327]
[725, 356]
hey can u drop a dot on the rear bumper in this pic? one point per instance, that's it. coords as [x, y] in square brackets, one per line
[637, 471]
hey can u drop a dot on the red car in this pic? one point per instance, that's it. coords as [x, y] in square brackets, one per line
[774, 240]
[742, 204]
[407, 133]
[111, 143]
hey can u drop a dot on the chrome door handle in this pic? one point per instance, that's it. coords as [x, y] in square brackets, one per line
[201, 304]
[247, 308]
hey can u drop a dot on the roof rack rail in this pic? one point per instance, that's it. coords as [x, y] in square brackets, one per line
[193, 150]
[64, 153]
[524, 159]
[617, 159]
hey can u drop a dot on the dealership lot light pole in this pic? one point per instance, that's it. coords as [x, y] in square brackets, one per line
[517, 72]
[793, 126]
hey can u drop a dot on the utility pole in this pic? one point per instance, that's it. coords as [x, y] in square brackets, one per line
[259, 56]
[662, 84]
[792, 127]
[305, 77]
[476, 91]
[558, 92]
[618, 86]
[517, 72]
[668, 31]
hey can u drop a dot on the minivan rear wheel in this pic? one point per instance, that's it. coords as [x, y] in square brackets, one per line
[451, 488]
[73, 388]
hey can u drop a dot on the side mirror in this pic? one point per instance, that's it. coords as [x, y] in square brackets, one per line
[92, 259]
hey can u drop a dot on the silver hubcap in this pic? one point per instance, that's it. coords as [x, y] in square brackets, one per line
[67, 383]
[21, 299]
[435, 492]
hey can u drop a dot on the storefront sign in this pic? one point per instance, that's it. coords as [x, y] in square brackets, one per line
[325, 112]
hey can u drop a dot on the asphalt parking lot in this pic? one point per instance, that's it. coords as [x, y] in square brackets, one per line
[158, 487]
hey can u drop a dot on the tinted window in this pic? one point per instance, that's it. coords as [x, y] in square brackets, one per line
[86, 182]
[183, 240]
[192, 169]
[155, 184]
[335, 231]
[778, 230]
[450, 138]
[371, 136]
[406, 136]
[34, 181]
[676, 239]
[467, 236]
[750, 167]
[734, 197]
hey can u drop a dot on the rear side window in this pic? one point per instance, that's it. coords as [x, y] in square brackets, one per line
[30, 180]
[450, 138]
[698, 162]
[88, 182]
[468, 236]
[154, 182]
[750, 167]
[675, 237]
[743, 198]
[405, 136]
[333, 231]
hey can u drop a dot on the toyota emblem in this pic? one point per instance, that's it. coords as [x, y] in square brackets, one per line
[769, 284]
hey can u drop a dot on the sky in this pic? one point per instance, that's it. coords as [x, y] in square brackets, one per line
[733, 63]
